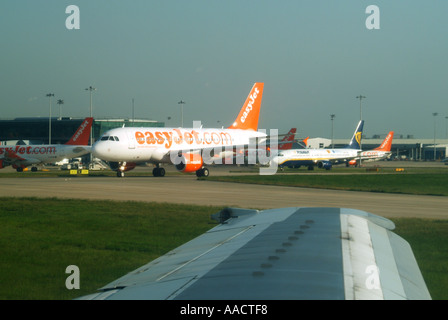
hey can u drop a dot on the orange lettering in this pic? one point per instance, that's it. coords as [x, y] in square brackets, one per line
[196, 138]
[139, 137]
[215, 138]
[179, 139]
[149, 137]
[159, 137]
[169, 140]
[188, 138]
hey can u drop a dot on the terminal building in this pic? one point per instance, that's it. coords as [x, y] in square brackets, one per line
[36, 130]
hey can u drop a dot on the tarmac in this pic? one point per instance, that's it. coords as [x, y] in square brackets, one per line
[187, 189]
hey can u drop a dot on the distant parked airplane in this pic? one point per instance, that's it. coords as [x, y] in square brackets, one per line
[22, 156]
[322, 158]
[382, 152]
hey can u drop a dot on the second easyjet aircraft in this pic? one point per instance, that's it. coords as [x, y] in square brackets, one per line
[124, 148]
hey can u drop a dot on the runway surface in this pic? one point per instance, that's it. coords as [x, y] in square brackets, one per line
[187, 189]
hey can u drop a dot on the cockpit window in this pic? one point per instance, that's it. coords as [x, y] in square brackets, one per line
[110, 138]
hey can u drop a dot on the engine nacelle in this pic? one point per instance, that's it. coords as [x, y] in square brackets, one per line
[189, 162]
[2, 164]
[324, 165]
[122, 166]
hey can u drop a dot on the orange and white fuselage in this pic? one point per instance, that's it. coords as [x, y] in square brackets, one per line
[186, 148]
[380, 153]
[157, 144]
[22, 156]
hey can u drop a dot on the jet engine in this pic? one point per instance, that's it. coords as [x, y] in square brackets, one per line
[324, 165]
[189, 162]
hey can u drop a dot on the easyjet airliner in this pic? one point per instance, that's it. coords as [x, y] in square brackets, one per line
[124, 148]
[382, 152]
[22, 156]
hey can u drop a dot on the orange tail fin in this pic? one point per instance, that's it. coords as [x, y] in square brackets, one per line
[250, 112]
[82, 135]
[387, 143]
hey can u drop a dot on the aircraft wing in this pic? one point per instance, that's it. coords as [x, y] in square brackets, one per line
[288, 253]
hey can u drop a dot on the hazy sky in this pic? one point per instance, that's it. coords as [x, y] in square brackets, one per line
[314, 57]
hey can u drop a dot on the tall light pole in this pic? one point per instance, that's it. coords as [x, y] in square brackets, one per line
[446, 127]
[435, 115]
[59, 102]
[360, 97]
[91, 89]
[49, 95]
[182, 112]
[332, 116]
[133, 119]
[91, 112]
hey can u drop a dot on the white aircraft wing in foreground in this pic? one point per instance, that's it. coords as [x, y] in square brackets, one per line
[288, 253]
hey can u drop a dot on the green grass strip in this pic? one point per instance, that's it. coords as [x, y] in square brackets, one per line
[424, 184]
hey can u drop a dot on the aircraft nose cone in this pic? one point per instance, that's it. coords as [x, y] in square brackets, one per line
[99, 149]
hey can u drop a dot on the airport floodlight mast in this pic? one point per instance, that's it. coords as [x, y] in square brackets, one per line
[446, 127]
[435, 114]
[360, 97]
[332, 116]
[90, 88]
[133, 119]
[59, 102]
[181, 102]
[49, 95]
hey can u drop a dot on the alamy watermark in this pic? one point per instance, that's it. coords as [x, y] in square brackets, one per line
[229, 147]
[72, 22]
[73, 280]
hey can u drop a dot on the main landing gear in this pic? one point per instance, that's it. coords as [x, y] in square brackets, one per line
[202, 172]
[158, 172]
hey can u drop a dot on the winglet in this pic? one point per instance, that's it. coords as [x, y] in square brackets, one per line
[305, 142]
[387, 143]
[81, 136]
[355, 142]
[248, 117]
